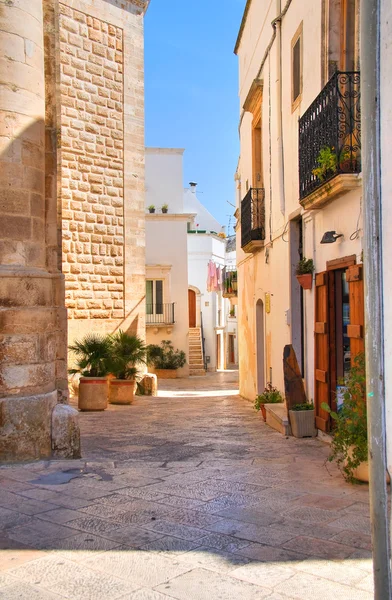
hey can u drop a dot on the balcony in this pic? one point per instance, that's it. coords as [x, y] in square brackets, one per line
[229, 283]
[253, 220]
[160, 314]
[330, 142]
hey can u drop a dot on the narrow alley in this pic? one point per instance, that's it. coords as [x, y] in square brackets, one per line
[187, 496]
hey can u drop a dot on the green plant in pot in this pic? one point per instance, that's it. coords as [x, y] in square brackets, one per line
[92, 356]
[349, 447]
[165, 360]
[126, 354]
[164, 208]
[302, 420]
[271, 395]
[327, 162]
[304, 272]
[151, 208]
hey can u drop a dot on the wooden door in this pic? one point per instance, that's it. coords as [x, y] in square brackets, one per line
[355, 330]
[321, 351]
[231, 350]
[192, 308]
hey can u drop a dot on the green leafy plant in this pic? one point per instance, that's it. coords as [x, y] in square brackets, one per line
[305, 266]
[164, 208]
[92, 355]
[151, 208]
[349, 447]
[271, 395]
[300, 407]
[327, 163]
[164, 356]
[232, 312]
[127, 351]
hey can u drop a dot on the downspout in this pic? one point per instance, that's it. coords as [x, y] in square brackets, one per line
[278, 29]
[374, 338]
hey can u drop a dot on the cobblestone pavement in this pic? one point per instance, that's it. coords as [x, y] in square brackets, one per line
[187, 496]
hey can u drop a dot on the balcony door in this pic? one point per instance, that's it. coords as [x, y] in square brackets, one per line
[154, 301]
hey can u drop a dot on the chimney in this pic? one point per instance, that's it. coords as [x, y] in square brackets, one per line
[193, 187]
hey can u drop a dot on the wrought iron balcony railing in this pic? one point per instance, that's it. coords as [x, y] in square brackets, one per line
[253, 217]
[160, 314]
[330, 133]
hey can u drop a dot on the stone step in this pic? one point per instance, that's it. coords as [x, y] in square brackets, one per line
[196, 366]
[195, 372]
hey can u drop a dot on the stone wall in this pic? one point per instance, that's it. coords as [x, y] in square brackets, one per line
[92, 132]
[102, 166]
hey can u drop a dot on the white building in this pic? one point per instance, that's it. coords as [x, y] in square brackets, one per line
[207, 242]
[166, 251]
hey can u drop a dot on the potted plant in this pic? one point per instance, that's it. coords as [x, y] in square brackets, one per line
[232, 312]
[92, 362]
[151, 208]
[271, 395]
[164, 208]
[302, 420]
[127, 351]
[165, 359]
[234, 281]
[327, 164]
[304, 272]
[349, 447]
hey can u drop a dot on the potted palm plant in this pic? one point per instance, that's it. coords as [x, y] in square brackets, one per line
[165, 360]
[92, 355]
[271, 395]
[302, 420]
[304, 272]
[126, 353]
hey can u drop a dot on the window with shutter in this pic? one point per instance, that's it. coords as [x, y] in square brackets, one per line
[296, 67]
[355, 329]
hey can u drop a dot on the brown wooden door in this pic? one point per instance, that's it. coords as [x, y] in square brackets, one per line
[192, 308]
[355, 330]
[231, 349]
[321, 351]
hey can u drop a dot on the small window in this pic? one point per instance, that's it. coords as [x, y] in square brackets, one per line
[296, 57]
[154, 297]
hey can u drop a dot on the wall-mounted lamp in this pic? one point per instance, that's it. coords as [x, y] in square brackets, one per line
[330, 237]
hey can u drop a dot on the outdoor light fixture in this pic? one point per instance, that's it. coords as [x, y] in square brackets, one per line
[330, 237]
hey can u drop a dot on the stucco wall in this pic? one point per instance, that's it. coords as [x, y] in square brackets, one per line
[268, 271]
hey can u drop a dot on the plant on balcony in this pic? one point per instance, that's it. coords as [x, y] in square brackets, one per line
[232, 312]
[165, 359]
[349, 447]
[327, 163]
[304, 273]
[151, 208]
[127, 352]
[92, 356]
[271, 395]
[164, 208]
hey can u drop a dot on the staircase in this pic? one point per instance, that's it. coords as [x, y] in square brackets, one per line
[196, 366]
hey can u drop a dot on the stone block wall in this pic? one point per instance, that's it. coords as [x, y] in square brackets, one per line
[92, 133]
[102, 166]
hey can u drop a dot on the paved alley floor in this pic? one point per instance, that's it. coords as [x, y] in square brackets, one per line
[187, 496]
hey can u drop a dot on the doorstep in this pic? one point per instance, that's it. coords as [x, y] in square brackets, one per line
[277, 418]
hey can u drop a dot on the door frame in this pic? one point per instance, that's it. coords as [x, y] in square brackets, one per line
[198, 304]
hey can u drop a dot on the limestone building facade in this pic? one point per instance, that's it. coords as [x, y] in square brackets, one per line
[299, 194]
[71, 197]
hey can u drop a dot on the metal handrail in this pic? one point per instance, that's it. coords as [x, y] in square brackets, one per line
[203, 341]
[253, 216]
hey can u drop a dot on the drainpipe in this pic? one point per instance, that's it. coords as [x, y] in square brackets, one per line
[278, 29]
[374, 339]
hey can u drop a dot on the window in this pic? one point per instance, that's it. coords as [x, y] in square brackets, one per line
[154, 296]
[296, 67]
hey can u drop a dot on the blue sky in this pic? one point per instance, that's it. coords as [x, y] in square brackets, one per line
[191, 79]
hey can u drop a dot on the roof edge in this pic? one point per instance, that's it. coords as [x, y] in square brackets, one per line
[242, 26]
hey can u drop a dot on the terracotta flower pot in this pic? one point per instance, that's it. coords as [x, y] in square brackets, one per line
[263, 412]
[121, 391]
[166, 373]
[93, 393]
[305, 281]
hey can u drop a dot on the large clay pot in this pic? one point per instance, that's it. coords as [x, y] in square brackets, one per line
[166, 373]
[362, 472]
[305, 281]
[121, 391]
[93, 393]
